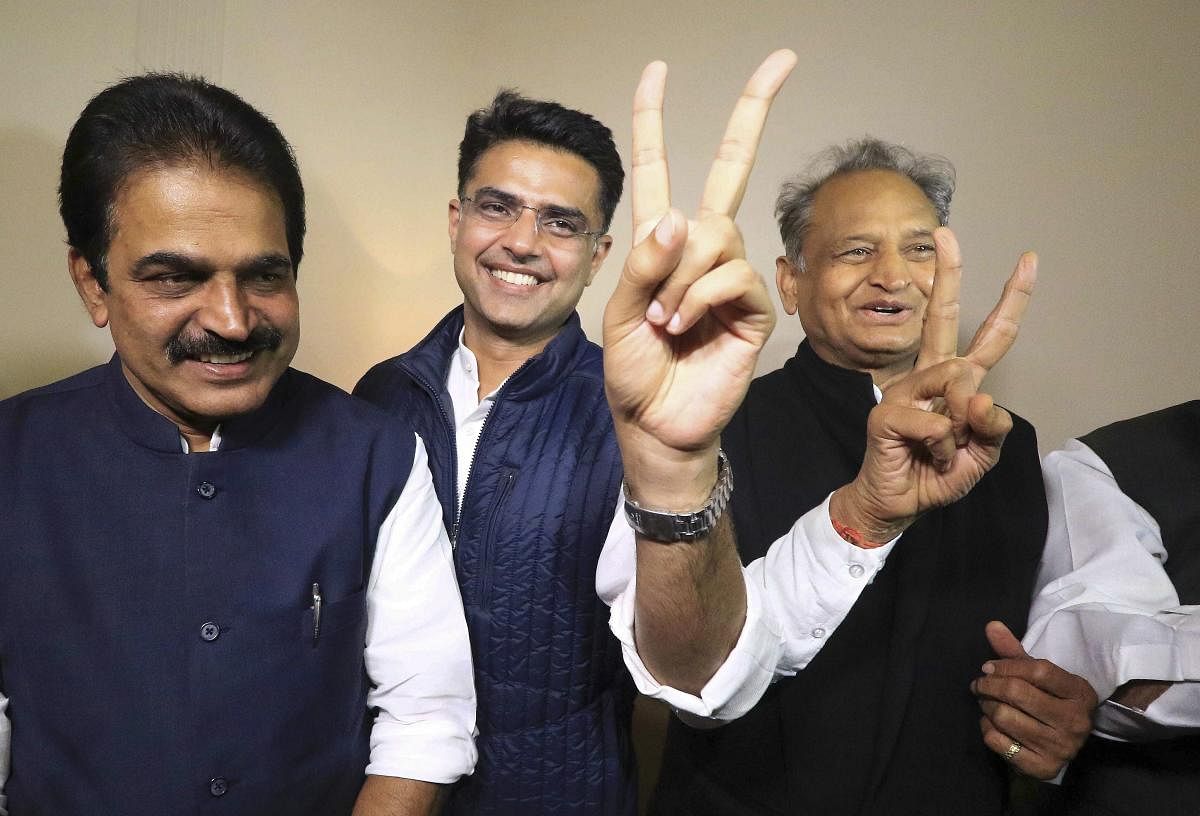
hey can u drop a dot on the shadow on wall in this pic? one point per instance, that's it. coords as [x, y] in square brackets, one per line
[45, 333]
[363, 297]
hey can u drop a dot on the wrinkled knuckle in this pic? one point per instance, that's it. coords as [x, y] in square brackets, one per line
[1005, 717]
[744, 271]
[960, 367]
[1043, 670]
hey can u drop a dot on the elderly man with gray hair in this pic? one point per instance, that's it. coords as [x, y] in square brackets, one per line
[878, 669]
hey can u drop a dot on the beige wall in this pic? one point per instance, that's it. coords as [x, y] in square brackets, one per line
[1073, 126]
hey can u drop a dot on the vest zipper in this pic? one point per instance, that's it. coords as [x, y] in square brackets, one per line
[485, 545]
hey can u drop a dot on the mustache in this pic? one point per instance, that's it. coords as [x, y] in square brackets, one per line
[261, 338]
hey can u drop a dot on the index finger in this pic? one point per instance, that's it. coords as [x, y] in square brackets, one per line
[730, 171]
[1041, 674]
[649, 181]
[939, 333]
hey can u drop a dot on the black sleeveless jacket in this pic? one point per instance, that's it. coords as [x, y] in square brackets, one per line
[882, 721]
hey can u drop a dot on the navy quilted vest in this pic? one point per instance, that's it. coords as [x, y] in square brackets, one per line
[554, 697]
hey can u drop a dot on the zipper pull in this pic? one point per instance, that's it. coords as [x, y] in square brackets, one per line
[316, 608]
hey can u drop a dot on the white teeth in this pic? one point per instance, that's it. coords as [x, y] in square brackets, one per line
[225, 359]
[516, 278]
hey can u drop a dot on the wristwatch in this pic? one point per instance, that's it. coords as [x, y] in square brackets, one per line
[668, 527]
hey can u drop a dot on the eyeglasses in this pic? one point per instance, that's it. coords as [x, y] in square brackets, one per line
[562, 226]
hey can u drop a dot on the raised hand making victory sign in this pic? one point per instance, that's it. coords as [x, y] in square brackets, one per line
[689, 316]
[918, 458]
[682, 333]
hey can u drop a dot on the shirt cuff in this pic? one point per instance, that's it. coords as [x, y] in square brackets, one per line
[735, 687]
[812, 578]
[1175, 713]
[428, 754]
[796, 597]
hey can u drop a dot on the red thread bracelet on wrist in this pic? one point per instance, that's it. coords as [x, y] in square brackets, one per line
[852, 536]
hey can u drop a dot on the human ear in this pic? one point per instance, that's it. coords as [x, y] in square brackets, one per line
[603, 245]
[785, 281]
[453, 214]
[94, 298]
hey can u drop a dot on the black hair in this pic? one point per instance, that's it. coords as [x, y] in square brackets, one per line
[163, 120]
[512, 117]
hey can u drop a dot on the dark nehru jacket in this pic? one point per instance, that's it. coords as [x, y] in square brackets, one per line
[156, 635]
[882, 721]
[1155, 460]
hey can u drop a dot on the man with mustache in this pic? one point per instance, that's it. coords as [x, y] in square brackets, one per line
[225, 582]
[849, 684]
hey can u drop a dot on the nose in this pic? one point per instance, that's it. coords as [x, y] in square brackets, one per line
[226, 310]
[521, 237]
[890, 271]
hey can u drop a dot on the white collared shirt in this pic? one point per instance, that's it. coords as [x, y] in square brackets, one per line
[470, 412]
[1105, 608]
[796, 597]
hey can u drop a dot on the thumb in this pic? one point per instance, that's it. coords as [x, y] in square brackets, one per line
[648, 264]
[1003, 642]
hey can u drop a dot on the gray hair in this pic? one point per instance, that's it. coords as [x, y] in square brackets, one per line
[793, 209]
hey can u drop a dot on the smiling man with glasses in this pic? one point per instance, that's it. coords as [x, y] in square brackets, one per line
[508, 395]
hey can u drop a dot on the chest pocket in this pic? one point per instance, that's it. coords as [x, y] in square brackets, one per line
[504, 490]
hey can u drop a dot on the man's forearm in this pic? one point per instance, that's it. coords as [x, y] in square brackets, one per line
[396, 796]
[690, 606]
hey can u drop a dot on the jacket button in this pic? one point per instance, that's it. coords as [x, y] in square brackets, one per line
[206, 490]
[209, 631]
[217, 786]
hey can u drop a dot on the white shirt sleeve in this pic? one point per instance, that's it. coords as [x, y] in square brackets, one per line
[796, 597]
[1104, 607]
[418, 655]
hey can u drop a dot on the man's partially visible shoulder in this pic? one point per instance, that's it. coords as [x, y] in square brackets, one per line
[382, 380]
[328, 403]
[1185, 415]
[1022, 431]
[589, 362]
[52, 396]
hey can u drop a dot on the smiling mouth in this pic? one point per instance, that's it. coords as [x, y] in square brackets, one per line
[515, 278]
[224, 359]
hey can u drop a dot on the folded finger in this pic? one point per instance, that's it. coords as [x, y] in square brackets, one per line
[732, 284]
[711, 242]
[915, 427]
[1026, 758]
[648, 264]
[1041, 674]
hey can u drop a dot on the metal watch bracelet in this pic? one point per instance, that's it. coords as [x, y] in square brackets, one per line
[669, 527]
